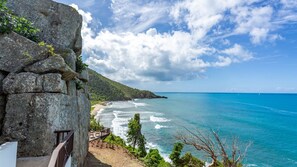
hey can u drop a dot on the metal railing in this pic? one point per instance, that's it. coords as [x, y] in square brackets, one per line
[94, 135]
[64, 148]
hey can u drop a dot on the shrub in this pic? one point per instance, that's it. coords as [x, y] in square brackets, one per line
[80, 65]
[94, 125]
[188, 160]
[113, 139]
[185, 161]
[79, 85]
[49, 47]
[10, 22]
[154, 159]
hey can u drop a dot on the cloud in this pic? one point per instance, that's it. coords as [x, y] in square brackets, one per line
[254, 21]
[133, 50]
[137, 16]
[237, 53]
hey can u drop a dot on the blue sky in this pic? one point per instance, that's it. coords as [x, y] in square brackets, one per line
[192, 45]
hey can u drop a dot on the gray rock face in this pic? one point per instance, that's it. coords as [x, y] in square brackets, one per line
[60, 24]
[2, 111]
[2, 76]
[53, 64]
[69, 57]
[38, 92]
[22, 83]
[53, 83]
[84, 121]
[27, 82]
[84, 76]
[33, 118]
[71, 88]
[18, 52]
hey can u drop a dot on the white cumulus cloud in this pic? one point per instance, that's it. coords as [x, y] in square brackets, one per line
[133, 50]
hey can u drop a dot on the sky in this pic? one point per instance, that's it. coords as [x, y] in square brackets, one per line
[192, 45]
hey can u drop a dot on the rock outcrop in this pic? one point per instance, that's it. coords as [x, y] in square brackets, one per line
[60, 24]
[18, 52]
[38, 90]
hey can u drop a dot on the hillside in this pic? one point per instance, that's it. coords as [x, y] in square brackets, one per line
[104, 89]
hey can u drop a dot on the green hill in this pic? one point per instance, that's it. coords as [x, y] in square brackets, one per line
[104, 89]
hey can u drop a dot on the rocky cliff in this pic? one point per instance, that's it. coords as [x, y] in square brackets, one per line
[38, 90]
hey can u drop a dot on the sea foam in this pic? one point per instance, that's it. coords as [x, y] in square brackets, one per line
[160, 126]
[118, 125]
[158, 119]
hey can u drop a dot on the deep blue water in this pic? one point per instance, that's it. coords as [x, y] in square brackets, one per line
[269, 121]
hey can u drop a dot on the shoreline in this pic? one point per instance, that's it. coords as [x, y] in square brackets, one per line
[98, 108]
[149, 145]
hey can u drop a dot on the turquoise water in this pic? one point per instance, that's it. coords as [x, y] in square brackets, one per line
[269, 121]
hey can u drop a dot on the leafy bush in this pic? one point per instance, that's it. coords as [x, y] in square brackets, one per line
[10, 22]
[154, 159]
[80, 65]
[94, 125]
[113, 139]
[79, 85]
[188, 160]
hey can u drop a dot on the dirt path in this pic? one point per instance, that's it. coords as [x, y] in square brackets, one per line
[103, 155]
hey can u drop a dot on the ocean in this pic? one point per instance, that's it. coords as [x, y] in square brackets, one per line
[269, 121]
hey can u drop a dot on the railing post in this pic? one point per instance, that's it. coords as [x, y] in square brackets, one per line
[63, 150]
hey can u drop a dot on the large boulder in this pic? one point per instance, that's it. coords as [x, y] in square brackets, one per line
[18, 52]
[32, 118]
[53, 64]
[53, 83]
[59, 24]
[22, 83]
[27, 82]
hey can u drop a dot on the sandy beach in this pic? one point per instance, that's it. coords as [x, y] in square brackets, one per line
[97, 109]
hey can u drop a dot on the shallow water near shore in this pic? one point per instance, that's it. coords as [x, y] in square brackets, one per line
[267, 120]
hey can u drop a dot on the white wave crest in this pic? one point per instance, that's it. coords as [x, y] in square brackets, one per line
[118, 125]
[160, 126]
[136, 105]
[158, 119]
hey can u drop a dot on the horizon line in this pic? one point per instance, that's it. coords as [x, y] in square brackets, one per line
[226, 92]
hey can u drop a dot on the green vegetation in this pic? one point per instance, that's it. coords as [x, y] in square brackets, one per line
[185, 161]
[79, 84]
[134, 136]
[214, 149]
[116, 140]
[80, 65]
[10, 22]
[50, 48]
[154, 159]
[94, 125]
[104, 89]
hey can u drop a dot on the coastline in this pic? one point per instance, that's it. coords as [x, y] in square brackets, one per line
[98, 108]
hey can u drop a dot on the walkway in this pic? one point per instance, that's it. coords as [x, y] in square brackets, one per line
[99, 135]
